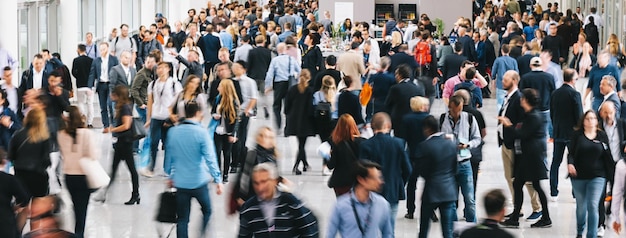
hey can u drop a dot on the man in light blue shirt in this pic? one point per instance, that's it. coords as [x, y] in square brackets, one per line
[225, 37]
[277, 79]
[191, 151]
[362, 212]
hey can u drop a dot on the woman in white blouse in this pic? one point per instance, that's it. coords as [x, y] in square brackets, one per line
[189, 45]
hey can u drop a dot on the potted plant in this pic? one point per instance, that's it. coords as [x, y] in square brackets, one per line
[440, 27]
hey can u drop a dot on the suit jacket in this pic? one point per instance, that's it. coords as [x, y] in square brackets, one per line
[398, 100]
[413, 133]
[118, 77]
[529, 166]
[616, 102]
[439, 169]
[468, 48]
[515, 113]
[392, 156]
[452, 65]
[402, 58]
[565, 111]
[210, 45]
[80, 70]
[193, 68]
[523, 63]
[95, 71]
[621, 126]
[27, 83]
[7, 132]
[259, 59]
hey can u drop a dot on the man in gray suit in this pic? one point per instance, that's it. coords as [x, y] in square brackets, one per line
[123, 73]
[607, 88]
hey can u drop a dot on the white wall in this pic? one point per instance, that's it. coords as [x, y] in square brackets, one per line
[8, 17]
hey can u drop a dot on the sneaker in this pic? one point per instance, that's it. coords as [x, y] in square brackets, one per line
[600, 232]
[326, 171]
[554, 198]
[511, 214]
[510, 224]
[543, 223]
[147, 173]
[534, 216]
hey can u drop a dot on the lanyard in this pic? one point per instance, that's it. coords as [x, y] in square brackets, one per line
[362, 227]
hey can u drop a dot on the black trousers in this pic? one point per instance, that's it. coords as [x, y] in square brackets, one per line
[301, 152]
[475, 167]
[80, 192]
[124, 151]
[518, 184]
[223, 145]
[239, 148]
[280, 92]
[410, 189]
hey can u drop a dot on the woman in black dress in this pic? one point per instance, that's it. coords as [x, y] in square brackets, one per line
[312, 58]
[299, 111]
[530, 148]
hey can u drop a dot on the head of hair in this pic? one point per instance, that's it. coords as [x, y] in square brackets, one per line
[362, 169]
[347, 79]
[417, 103]
[230, 101]
[7, 68]
[346, 129]
[385, 62]
[266, 167]
[506, 48]
[303, 82]
[354, 45]
[581, 121]
[568, 75]
[4, 94]
[456, 100]
[531, 96]
[380, 120]
[404, 71]
[331, 60]
[470, 73]
[82, 48]
[38, 56]
[190, 78]
[329, 89]
[191, 109]
[610, 80]
[121, 92]
[463, 94]
[74, 121]
[431, 124]
[494, 202]
[458, 47]
[36, 124]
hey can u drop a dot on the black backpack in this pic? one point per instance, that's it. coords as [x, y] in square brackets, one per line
[322, 111]
[470, 87]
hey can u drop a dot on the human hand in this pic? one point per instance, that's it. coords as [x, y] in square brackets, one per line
[170, 183]
[232, 139]
[147, 125]
[106, 130]
[143, 106]
[617, 227]
[506, 122]
[219, 189]
[5, 121]
[571, 170]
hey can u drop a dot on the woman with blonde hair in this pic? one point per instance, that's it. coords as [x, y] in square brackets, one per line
[396, 41]
[226, 132]
[299, 111]
[325, 121]
[77, 142]
[616, 50]
[29, 151]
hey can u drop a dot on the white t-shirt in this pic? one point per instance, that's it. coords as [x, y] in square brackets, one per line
[163, 95]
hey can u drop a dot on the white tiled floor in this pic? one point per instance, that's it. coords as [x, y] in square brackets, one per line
[115, 220]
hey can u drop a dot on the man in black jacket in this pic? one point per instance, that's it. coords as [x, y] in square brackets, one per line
[554, 43]
[452, 63]
[565, 112]
[80, 70]
[494, 206]
[544, 84]
[331, 65]
[259, 59]
[402, 57]
[465, 38]
[398, 99]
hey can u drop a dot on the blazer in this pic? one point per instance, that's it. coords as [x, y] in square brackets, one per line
[26, 83]
[413, 133]
[80, 70]
[398, 99]
[452, 65]
[348, 103]
[529, 166]
[118, 77]
[468, 48]
[7, 132]
[400, 58]
[259, 59]
[342, 158]
[616, 102]
[95, 71]
[392, 156]
[210, 45]
[33, 157]
[351, 63]
[439, 165]
[313, 61]
[565, 111]
[193, 68]
[621, 126]
[515, 113]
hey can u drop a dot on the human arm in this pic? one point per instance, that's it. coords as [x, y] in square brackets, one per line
[127, 121]
[210, 157]
[333, 223]
[92, 76]
[136, 87]
[269, 77]
[475, 139]
[305, 222]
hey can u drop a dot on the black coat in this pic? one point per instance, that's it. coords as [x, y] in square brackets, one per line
[515, 113]
[342, 158]
[313, 60]
[80, 70]
[468, 48]
[299, 111]
[529, 166]
[523, 63]
[439, 169]
[621, 129]
[565, 111]
[452, 65]
[542, 82]
[348, 103]
[402, 58]
[398, 100]
[259, 59]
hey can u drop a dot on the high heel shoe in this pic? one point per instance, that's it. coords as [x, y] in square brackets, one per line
[296, 171]
[134, 199]
[306, 167]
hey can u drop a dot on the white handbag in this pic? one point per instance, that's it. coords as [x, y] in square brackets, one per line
[96, 176]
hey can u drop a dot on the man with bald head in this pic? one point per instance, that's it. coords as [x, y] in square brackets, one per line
[565, 112]
[615, 131]
[512, 109]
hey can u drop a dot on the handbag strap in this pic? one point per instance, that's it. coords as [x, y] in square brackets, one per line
[350, 149]
[23, 142]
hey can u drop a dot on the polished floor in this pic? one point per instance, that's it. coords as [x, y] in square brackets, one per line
[115, 220]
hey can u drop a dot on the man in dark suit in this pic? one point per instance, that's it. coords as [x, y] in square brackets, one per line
[397, 101]
[439, 165]
[193, 66]
[391, 154]
[565, 111]
[99, 79]
[452, 63]
[123, 73]
[80, 71]
[465, 38]
[210, 46]
[512, 110]
[259, 59]
[403, 58]
[523, 62]
[34, 78]
[607, 88]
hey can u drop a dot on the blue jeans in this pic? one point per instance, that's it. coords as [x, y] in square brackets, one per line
[557, 159]
[447, 215]
[183, 206]
[596, 102]
[500, 94]
[547, 122]
[465, 178]
[588, 193]
[106, 106]
[157, 133]
[142, 113]
[394, 212]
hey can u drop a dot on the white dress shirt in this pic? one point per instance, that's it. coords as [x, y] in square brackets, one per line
[104, 70]
[37, 79]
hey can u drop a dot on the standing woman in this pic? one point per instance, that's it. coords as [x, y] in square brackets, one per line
[226, 131]
[312, 58]
[124, 145]
[76, 142]
[589, 164]
[344, 151]
[529, 165]
[29, 150]
[192, 92]
[189, 45]
[299, 111]
[325, 125]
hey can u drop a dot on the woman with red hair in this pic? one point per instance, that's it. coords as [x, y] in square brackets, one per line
[345, 142]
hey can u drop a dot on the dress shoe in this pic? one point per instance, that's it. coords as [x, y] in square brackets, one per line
[408, 216]
[134, 199]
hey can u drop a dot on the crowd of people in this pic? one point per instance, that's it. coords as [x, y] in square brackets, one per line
[370, 105]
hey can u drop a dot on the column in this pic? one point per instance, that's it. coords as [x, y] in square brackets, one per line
[9, 42]
[112, 15]
[147, 10]
[69, 26]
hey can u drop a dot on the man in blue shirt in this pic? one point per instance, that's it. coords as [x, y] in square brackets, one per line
[362, 212]
[277, 79]
[225, 37]
[500, 66]
[194, 156]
